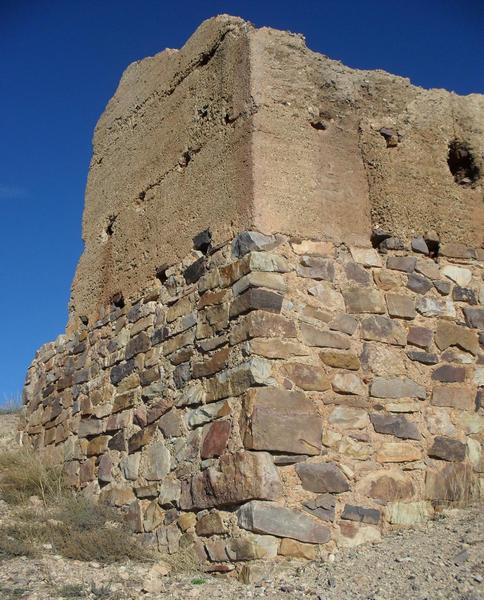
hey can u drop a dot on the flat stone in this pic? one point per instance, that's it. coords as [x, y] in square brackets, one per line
[313, 248]
[256, 299]
[420, 336]
[443, 287]
[322, 478]
[330, 299]
[456, 250]
[313, 336]
[396, 425]
[169, 493]
[272, 281]
[314, 267]
[458, 275]
[272, 519]
[344, 323]
[237, 477]
[280, 421]
[262, 324]
[399, 387]
[435, 307]
[235, 381]
[349, 383]
[395, 452]
[474, 317]
[386, 279]
[247, 241]
[462, 294]
[453, 396]
[450, 334]
[340, 360]
[382, 359]
[294, 549]
[140, 343]
[155, 462]
[383, 329]
[130, 466]
[419, 245]
[153, 517]
[353, 534]
[402, 263]
[307, 377]
[323, 507]
[439, 423]
[357, 274]
[400, 306]
[449, 374]
[172, 424]
[387, 486]
[277, 348]
[364, 300]
[426, 358]
[348, 417]
[252, 548]
[361, 514]
[367, 257]
[215, 439]
[98, 445]
[117, 496]
[409, 513]
[310, 312]
[207, 413]
[448, 449]
[418, 283]
[428, 268]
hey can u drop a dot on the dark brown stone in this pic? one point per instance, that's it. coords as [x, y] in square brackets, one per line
[140, 343]
[211, 365]
[451, 483]
[402, 263]
[356, 273]
[450, 334]
[420, 336]
[323, 507]
[121, 371]
[453, 396]
[418, 283]
[426, 358]
[383, 329]
[448, 449]
[141, 438]
[215, 439]
[322, 478]
[193, 273]
[389, 487]
[449, 374]
[396, 425]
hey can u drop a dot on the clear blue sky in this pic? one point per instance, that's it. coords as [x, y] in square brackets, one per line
[60, 61]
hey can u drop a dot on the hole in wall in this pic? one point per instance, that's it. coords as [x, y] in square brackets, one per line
[462, 164]
[118, 300]
[83, 319]
[110, 226]
[391, 137]
[203, 241]
[161, 273]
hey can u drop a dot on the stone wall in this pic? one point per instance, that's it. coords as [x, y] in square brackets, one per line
[275, 396]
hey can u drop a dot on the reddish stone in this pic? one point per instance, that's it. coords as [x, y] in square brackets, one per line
[216, 438]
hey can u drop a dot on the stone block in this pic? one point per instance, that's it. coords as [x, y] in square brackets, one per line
[451, 483]
[420, 336]
[349, 383]
[340, 360]
[280, 421]
[155, 462]
[256, 299]
[394, 452]
[458, 275]
[409, 513]
[277, 348]
[315, 267]
[236, 478]
[361, 514]
[450, 334]
[259, 279]
[215, 438]
[383, 329]
[322, 478]
[386, 486]
[323, 507]
[235, 381]
[402, 263]
[453, 396]
[272, 519]
[446, 448]
[330, 299]
[449, 374]
[262, 324]
[307, 377]
[400, 306]
[436, 307]
[353, 534]
[248, 241]
[364, 300]
[425, 358]
[210, 524]
[348, 417]
[396, 425]
[418, 283]
[398, 387]
[474, 317]
[294, 549]
[315, 337]
[367, 257]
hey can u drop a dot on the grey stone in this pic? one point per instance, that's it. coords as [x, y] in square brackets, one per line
[247, 241]
[322, 477]
[364, 300]
[402, 263]
[420, 336]
[474, 317]
[398, 387]
[272, 519]
[449, 374]
[155, 462]
[356, 273]
[140, 343]
[313, 336]
[344, 323]
[400, 306]
[383, 329]
[256, 299]
[419, 245]
[435, 307]
[461, 294]
[443, 287]
[323, 507]
[315, 267]
[396, 425]
[361, 514]
[426, 358]
[446, 448]
[418, 283]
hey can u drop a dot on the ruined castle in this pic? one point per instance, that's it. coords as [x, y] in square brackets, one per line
[275, 336]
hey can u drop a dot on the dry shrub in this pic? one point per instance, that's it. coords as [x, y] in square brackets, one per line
[74, 526]
[24, 474]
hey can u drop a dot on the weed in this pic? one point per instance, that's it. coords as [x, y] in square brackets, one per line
[71, 590]
[199, 581]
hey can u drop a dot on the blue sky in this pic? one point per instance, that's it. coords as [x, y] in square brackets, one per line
[60, 61]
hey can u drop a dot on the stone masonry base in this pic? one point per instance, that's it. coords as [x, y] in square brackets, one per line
[274, 396]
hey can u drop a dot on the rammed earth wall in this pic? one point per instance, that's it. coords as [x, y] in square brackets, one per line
[274, 396]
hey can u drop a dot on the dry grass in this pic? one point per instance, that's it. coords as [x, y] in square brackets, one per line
[66, 523]
[11, 405]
